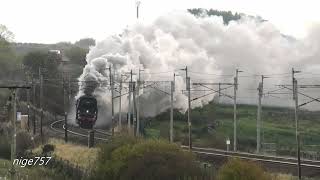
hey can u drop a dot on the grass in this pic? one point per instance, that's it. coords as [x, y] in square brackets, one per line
[288, 177]
[35, 173]
[4, 165]
[283, 177]
[75, 154]
[278, 127]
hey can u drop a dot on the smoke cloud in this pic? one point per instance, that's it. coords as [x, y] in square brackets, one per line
[211, 50]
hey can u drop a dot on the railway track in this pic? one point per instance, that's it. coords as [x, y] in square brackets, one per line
[310, 168]
[59, 126]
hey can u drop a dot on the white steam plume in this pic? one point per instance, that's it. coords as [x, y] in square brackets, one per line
[210, 49]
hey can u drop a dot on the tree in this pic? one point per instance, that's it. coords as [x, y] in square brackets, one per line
[226, 15]
[41, 59]
[5, 34]
[8, 60]
[34, 60]
[77, 55]
[51, 88]
[85, 43]
[6, 37]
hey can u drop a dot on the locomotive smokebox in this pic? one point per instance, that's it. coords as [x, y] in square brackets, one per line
[86, 111]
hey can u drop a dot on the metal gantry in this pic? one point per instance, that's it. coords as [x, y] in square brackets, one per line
[294, 88]
[221, 86]
[259, 113]
[155, 85]
[133, 94]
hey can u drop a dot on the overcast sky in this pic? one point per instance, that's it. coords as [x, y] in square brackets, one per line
[44, 21]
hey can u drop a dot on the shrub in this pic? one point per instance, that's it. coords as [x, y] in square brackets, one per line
[242, 170]
[5, 148]
[47, 148]
[24, 142]
[126, 158]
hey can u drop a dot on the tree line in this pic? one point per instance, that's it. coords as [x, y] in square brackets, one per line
[21, 62]
[227, 16]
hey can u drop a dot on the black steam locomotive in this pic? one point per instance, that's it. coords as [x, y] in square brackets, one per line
[86, 111]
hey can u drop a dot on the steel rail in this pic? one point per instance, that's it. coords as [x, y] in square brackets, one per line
[73, 132]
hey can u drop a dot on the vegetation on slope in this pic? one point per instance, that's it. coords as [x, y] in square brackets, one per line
[129, 158]
[227, 16]
[33, 172]
[213, 124]
[78, 155]
[242, 170]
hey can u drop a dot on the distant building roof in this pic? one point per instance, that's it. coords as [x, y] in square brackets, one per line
[55, 51]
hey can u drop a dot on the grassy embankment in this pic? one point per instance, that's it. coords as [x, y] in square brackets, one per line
[35, 173]
[75, 154]
[278, 127]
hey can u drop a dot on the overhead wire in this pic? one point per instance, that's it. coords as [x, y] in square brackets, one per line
[222, 75]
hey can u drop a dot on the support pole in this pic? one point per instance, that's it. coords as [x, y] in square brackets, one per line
[259, 118]
[138, 104]
[28, 101]
[189, 106]
[13, 135]
[138, 5]
[69, 89]
[112, 106]
[295, 90]
[65, 112]
[120, 89]
[65, 126]
[235, 115]
[41, 102]
[41, 124]
[129, 108]
[189, 111]
[134, 107]
[28, 113]
[34, 105]
[293, 79]
[295, 98]
[299, 157]
[171, 111]
[235, 111]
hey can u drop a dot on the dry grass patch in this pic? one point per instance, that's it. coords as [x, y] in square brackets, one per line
[74, 153]
[282, 177]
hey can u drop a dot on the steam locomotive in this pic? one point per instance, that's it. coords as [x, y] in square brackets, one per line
[86, 111]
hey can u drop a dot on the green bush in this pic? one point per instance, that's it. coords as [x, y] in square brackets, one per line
[127, 158]
[236, 169]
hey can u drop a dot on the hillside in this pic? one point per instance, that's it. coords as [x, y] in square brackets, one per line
[22, 49]
[213, 124]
